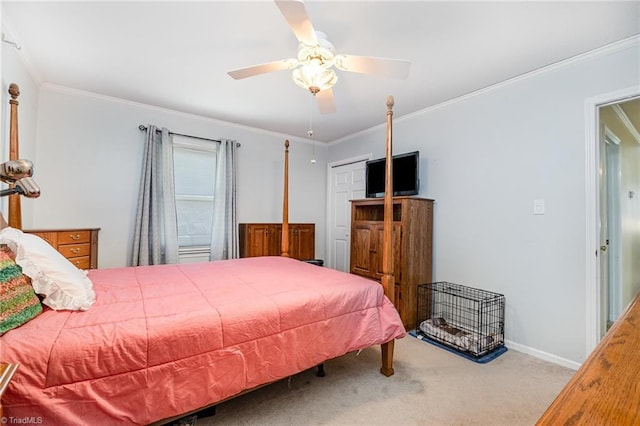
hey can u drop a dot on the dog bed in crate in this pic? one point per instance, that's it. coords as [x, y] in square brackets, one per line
[473, 342]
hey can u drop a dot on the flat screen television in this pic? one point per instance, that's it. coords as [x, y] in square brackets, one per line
[406, 179]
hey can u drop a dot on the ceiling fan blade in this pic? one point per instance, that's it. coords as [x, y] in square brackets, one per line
[284, 64]
[385, 67]
[325, 100]
[296, 16]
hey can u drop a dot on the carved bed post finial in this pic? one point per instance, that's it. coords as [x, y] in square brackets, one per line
[14, 91]
[285, 203]
[15, 211]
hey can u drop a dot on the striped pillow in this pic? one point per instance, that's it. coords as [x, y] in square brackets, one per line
[18, 302]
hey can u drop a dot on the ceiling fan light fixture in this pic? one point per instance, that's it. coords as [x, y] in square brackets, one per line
[313, 78]
[313, 69]
[316, 55]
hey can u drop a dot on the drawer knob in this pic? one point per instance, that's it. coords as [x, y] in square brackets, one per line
[74, 236]
[75, 250]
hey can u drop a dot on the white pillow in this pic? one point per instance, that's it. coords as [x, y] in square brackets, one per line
[52, 275]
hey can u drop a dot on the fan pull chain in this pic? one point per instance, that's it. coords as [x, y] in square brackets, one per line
[310, 132]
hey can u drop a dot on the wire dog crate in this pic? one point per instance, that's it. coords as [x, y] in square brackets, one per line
[463, 318]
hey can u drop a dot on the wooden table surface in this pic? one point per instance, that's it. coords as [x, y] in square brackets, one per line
[606, 388]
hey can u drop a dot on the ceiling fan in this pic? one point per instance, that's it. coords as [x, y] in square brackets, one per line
[313, 67]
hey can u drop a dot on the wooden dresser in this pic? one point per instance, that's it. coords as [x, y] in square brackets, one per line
[265, 239]
[412, 247]
[80, 246]
[605, 390]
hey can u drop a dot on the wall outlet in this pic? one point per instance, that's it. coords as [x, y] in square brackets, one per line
[538, 206]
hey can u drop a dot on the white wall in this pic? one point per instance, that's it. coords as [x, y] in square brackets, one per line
[14, 71]
[88, 151]
[89, 154]
[484, 159]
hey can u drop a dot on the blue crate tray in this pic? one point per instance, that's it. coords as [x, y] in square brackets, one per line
[483, 359]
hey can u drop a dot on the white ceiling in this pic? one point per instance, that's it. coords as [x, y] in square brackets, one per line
[176, 54]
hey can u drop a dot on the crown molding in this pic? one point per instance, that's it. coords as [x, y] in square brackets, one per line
[627, 123]
[79, 92]
[624, 44]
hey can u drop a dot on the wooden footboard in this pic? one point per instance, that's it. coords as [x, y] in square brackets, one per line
[605, 390]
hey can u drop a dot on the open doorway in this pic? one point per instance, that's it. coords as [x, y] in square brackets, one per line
[620, 177]
[613, 208]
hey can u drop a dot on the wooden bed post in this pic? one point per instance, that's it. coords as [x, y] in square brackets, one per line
[15, 212]
[388, 281]
[285, 203]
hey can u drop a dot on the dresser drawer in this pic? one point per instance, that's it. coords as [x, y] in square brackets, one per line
[72, 237]
[83, 262]
[75, 250]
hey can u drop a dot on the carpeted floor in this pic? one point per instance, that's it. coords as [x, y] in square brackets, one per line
[431, 386]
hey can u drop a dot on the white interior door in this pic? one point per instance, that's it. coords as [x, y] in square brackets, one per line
[346, 182]
[613, 238]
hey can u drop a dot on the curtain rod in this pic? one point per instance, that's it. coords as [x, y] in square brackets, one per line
[144, 128]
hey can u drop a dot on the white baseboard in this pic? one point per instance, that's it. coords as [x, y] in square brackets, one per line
[542, 355]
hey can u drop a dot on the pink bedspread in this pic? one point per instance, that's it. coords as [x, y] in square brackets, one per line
[164, 340]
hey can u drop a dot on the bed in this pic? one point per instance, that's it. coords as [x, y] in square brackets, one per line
[165, 341]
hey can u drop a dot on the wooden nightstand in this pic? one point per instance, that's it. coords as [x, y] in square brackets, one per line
[6, 374]
[80, 246]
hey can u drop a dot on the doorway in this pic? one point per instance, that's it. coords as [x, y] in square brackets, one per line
[346, 183]
[613, 155]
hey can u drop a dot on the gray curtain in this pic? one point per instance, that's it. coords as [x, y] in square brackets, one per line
[156, 232]
[224, 230]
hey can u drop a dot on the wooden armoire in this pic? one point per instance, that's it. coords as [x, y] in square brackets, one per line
[412, 247]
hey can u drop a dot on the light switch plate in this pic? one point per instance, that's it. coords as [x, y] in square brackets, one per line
[538, 206]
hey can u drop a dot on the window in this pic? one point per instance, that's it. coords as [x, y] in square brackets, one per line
[194, 173]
